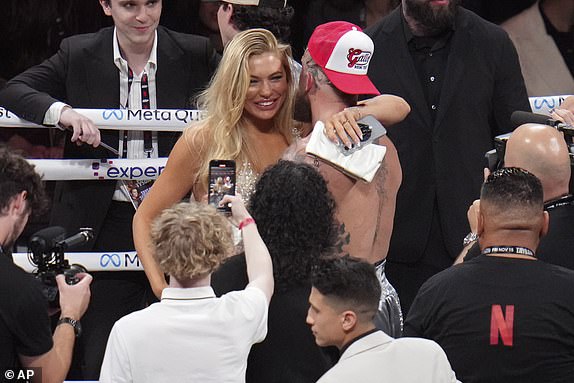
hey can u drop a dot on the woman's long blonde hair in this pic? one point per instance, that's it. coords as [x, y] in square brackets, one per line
[224, 100]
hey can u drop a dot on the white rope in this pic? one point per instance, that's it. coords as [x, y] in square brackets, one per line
[99, 169]
[118, 261]
[120, 119]
[178, 119]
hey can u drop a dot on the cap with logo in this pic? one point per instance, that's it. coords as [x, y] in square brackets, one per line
[258, 3]
[343, 51]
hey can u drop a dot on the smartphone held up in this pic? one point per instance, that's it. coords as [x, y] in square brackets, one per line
[221, 182]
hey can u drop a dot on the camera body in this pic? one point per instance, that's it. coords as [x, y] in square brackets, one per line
[46, 251]
[47, 279]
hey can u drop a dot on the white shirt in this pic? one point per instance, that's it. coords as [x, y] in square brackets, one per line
[131, 98]
[189, 336]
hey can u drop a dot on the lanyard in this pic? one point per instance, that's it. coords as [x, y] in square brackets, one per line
[508, 250]
[148, 147]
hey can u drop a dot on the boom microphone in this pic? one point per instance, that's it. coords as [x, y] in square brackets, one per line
[77, 239]
[45, 240]
[520, 117]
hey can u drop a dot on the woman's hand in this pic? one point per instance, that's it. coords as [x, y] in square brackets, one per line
[343, 127]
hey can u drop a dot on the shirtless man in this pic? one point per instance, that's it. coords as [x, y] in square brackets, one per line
[329, 83]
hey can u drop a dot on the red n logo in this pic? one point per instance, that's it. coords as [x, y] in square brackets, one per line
[501, 324]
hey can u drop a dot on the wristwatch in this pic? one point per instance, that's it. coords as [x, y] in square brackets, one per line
[72, 322]
[470, 237]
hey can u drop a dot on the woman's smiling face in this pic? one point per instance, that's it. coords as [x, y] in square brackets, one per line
[267, 87]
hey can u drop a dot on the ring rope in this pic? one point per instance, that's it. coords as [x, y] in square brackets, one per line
[121, 119]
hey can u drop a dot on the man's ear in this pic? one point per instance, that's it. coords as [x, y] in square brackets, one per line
[227, 10]
[545, 224]
[18, 204]
[106, 6]
[309, 82]
[348, 320]
[479, 220]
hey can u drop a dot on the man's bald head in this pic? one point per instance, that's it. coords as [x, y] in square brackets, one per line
[541, 150]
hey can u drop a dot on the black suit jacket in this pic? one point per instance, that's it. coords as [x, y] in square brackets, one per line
[82, 73]
[443, 161]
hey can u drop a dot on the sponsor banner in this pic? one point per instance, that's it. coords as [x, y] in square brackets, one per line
[543, 105]
[150, 119]
[99, 169]
[109, 261]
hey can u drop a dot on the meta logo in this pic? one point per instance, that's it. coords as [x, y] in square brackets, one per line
[502, 325]
[118, 114]
[116, 260]
[550, 103]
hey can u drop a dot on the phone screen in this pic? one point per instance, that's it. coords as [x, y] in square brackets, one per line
[221, 182]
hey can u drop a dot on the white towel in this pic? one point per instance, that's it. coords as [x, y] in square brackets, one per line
[362, 164]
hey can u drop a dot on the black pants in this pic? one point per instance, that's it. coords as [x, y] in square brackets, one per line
[114, 294]
[407, 278]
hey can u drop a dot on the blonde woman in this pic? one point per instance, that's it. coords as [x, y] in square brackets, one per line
[248, 108]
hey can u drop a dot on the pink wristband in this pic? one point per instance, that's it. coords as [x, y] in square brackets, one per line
[245, 222]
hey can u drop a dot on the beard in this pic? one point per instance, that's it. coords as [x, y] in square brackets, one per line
[302, 107]
[430, 20]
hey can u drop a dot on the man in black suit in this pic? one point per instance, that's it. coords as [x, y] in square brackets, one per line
[135, 65]
[461, 76]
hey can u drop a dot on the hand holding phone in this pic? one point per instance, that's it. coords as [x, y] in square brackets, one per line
[238, 210]
[371, 129]
[221, 182]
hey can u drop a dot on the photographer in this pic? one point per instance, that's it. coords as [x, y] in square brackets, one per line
[542, 150]
[25, 333]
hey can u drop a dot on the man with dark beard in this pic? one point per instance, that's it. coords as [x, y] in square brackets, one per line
[460, 75]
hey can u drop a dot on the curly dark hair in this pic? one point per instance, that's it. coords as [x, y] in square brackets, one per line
[275, 20]
[17, 175]
[294, 212]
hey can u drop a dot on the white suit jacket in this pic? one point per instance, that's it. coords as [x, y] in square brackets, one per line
[379, 358]
[544, 70]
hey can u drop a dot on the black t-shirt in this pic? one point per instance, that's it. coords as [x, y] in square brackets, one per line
[500, 319]
[24, 322]
[288, 353]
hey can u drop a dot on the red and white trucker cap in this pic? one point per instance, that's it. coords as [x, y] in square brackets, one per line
[343, 51]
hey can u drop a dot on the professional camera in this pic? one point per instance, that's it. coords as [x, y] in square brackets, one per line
[46, 252]
[495, 157]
